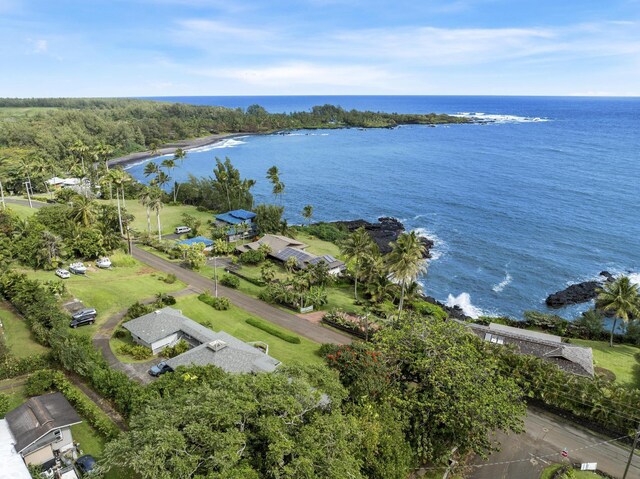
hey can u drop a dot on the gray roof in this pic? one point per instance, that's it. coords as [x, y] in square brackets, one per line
[228, 353]
[165, 322]
[568, 357]
[275, 242]
[38, 416]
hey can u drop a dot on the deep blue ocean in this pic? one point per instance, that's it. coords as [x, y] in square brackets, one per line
[546, 196]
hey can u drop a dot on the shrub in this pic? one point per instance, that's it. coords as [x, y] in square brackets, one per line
[164, 299]
[12, 367]
[230, 281]
[425, 308]
[4, 405]
[136, 351]
[253, 257]
[172, 351]
[40, 382]
[220, 304]
[123, 260]
[136, 310]
[328, 232]
[121, 333]
[170, 278]
[271, 329]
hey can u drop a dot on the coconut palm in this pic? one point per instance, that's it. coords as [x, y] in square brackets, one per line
[151, 168]
[406, 262]
[156, 205]
[273, 175]
[101, 153]
[119, 178]
[307, 213]
[80, 152]
[83, 210]
[161, 179]
[621, 298]
[356, 248]
[170, 164]
[144, 197]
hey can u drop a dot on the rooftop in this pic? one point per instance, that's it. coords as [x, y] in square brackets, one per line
[197, 239]
[12, 464]
[38, 416]
[164, 322]
[275, 242]
[236, 216]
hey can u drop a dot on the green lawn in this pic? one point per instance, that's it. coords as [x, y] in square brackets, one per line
[318, 246]
[113, 290]
[233, 322]
[17, 334]
[15, 392]
[20, 210]
[170, 217]
[620, 360]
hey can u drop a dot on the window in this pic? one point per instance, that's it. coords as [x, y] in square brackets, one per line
[493, 338]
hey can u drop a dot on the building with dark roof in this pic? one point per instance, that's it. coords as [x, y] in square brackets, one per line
[167, 326]
[568, 357]
[41, 428]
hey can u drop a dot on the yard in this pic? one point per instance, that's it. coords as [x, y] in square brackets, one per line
[233, 322]
[17, 334]
[115, 289]
[21, 211]
[623, 360]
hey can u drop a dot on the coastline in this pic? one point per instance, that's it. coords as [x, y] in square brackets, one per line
[169, 148]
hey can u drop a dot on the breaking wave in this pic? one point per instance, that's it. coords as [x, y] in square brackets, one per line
[463, 300]
[490, 118]
[497, 288]
[439, 246]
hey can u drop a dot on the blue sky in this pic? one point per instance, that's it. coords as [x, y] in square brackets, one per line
[303, 47]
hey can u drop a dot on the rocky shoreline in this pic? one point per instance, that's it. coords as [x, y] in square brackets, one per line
[578, 293]
[385, 231]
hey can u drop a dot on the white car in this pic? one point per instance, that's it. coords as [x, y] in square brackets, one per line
[182, 229]
[78, 268]
[103, 263]
[63, 273]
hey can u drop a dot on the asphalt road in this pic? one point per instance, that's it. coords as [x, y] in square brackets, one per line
[545, 437]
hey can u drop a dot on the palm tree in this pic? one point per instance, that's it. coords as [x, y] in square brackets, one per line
[156, 205]
[118, 177]
[307, 213]
[273, 175]
[621, 297]
[83, 210]
[145, 200]
[170, 164]
[151, 168]
[406, 262]
[161, 179]
[102, 152]
[356, 248]
[80, 151]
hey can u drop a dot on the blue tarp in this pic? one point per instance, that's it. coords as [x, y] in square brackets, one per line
[197, 239]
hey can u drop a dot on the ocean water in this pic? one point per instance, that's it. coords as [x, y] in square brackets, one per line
[546, 196]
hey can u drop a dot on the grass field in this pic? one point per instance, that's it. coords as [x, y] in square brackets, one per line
[170, 217]
[233, 322]
[21, 211]
[112, 290]
[17, 112]
[17, 334]
[318, 246]
[621, 360]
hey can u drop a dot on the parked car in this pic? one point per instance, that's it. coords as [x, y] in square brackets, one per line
[63, 273]
[160, 368]
[182, 229]
[103, 263]
[85, 464]
[78, 268]
[82, 317]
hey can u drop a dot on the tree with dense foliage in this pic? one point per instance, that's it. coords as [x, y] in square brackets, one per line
[406, 262]
[356, 248]
[268, 219]
[621, 298]
[450, 386]
[83, 210]
[210, 424]
[231, 186]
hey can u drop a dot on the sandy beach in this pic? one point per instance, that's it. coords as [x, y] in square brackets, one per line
[169, 148]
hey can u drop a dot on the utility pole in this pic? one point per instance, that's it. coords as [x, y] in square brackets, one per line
[633, 450]
[4, 206]
[27, 185]
[215, 273]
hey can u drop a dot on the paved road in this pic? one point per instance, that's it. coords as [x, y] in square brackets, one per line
[547, 435]
[254, 306]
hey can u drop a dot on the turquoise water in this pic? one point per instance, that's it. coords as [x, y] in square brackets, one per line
[546, 196]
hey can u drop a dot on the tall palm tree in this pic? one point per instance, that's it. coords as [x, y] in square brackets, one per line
[83, 210]
[307, 213]
[620, 297]
[80, 151]
[406, 262]
[161, 179]
[118, 177]
[151, 168]
[356, 248]
[102, 152]
[170, 164]
[156, 205]
[273, 175]
[145, 200]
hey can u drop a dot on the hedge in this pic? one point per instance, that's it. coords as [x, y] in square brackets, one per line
[12, 367]
[220, 304]
[269, 328]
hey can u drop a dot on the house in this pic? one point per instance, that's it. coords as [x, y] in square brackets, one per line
[198, 239]
[41, 428]
[238, 224]
[167, 326]
[568, 357]
[12, 464]
[282, 248]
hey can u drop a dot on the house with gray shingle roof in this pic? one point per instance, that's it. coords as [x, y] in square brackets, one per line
[568, 357]
[41, 428]
[166, 326]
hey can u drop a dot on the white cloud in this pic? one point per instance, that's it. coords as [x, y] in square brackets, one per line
[39, 46]
[202, 30]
